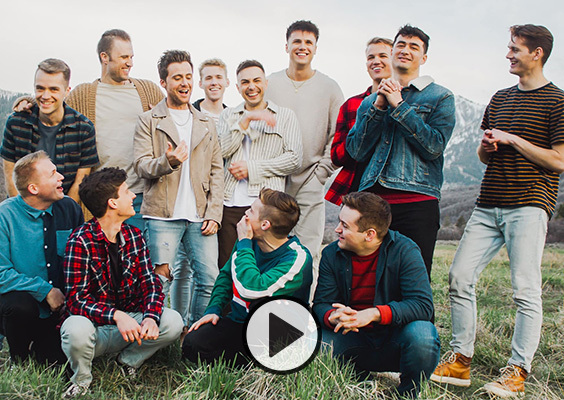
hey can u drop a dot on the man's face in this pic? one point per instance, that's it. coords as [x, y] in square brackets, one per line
[252, 83]
[124, 202]
[379, 61]
[178, 85]
[50, 91]
[214, 81]
[46, 182]
[408, 53]
[301, 46]
[521, 61]
[349, 236]
[119, 61]
[253, 216]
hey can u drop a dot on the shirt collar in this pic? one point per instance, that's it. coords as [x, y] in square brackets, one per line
[34, 212]
[100, 236]
[269, 105]
[421, 82]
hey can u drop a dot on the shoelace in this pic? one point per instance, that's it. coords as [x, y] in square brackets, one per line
[508, 372]
[448, 358]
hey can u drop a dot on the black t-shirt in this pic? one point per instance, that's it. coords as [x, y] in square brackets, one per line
[116, 271]
[48, 139]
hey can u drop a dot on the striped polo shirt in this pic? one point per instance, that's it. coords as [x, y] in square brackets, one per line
[510, 179]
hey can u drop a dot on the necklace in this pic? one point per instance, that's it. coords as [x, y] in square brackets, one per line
[297, 87]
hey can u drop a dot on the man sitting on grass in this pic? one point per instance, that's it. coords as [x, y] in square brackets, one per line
[264, 263]
[113, 295]
[374, 297]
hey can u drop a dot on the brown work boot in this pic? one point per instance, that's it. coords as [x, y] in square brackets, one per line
[511, 383]
[453, 369]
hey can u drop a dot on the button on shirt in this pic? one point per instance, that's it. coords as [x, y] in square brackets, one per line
[29, 260]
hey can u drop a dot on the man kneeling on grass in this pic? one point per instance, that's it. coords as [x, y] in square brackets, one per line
[265, 262]
[113, 295]
[374, 297]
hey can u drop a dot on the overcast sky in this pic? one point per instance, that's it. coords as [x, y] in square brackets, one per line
[466, 54]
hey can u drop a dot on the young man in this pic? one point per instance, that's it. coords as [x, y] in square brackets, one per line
[51, 125]
[402, 131]
[214, 81]
[265, 263]
[523, 148]
[379, 66]
[34, 227]
[315, 98]
[177, 152]
[261, 144]
[114, 298]
[374, 297]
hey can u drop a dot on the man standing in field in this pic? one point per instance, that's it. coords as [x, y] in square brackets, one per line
[523, 148]
[315, 98]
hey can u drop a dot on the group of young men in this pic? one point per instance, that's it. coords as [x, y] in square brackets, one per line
[224, 206]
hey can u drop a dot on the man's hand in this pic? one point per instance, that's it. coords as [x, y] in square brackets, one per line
[55, 298]
[209, 227]
[489, 143]
[381, 102]
[164, 270]
[244, 229]
[343, 314]
[352, 320]
[239, 170]
[23, 105]
[149, 329]
[257, 115]
[128, 327]
[177, 156]
[206, 319]
[392, 90]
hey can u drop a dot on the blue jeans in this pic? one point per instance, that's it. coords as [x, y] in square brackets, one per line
[82, 341]
[137, 220]
[413, 350]
[164, 239]
[523, 231]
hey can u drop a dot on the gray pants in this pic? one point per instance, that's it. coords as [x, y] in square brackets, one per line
[82, 341]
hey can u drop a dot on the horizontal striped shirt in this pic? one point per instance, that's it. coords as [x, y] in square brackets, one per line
[510, 179]
[75, 141]
[275, 151]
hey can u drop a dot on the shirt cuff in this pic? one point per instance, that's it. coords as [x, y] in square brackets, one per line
[326, 318]
[385, 315]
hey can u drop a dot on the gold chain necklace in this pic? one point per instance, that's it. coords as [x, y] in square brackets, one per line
[297, 87]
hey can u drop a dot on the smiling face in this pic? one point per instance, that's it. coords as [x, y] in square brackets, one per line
[50, 92]
[46, 183]
[408, 54]
[124, 202]
[178, 85]
[252, 84]
[348, 233]
[301, 46]
[521, 60]
[213, 80]
[379, 61]
[119, 61]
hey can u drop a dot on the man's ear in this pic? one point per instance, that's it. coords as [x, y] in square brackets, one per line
[265, 225]
[112, 203]
[32, 188]
[371, 235]
[538, 53]
[104, 57]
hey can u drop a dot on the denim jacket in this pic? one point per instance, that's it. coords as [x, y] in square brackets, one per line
[405, 145]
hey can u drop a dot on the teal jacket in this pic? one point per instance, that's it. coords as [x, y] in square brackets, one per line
[251, 275]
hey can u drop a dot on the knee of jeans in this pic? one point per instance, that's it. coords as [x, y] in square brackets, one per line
[78, 332]
[23, 307]
[421, 335]
[171, 323]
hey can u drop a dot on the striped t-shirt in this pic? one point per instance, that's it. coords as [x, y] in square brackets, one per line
[510, 179]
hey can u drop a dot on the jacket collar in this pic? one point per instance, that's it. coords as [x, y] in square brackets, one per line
[166, 123]
[100, 236]
[69, 117]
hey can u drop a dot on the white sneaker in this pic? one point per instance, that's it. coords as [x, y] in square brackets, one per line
[74, 390]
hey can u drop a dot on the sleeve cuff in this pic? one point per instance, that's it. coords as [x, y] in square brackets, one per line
[213, 310]
[244, 244]
[326, 318]
[385, 314]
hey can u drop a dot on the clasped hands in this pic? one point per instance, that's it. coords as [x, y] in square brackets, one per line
[351, 320]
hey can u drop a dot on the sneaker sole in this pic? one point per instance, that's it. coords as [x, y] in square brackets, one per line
[500, 392]
[450, 381]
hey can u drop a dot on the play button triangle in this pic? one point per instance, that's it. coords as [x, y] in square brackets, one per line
[280, 334]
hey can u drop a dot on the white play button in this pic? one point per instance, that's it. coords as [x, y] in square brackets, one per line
[281, 335]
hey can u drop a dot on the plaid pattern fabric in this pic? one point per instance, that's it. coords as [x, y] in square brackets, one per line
[339, 156]
[88, 279]
[75, 143]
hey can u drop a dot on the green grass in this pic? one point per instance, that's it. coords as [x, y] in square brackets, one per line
[166, 376]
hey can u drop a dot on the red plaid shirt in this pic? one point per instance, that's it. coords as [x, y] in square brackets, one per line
[88, 280]
[345, 121]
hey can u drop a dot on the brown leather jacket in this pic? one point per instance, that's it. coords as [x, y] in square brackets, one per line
[154, 129]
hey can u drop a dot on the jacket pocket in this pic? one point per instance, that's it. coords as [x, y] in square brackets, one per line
[423, 111]
[62, 238]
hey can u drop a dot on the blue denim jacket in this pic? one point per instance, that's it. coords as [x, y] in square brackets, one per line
[405, 145]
